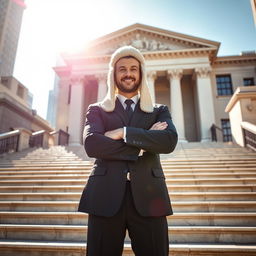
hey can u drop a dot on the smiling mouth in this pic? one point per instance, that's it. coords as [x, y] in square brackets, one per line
[128, 79]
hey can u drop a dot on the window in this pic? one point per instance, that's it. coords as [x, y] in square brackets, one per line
[226, 129]
[249, 81]
[224, 85]
[5, 81]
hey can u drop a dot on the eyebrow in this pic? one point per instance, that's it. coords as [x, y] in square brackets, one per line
[134, 66]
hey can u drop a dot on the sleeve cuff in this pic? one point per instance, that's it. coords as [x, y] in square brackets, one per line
[124, 136]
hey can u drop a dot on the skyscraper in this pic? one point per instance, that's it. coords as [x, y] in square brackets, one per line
[11, 12]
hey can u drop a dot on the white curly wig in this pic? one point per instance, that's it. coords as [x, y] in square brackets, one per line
[108, 103]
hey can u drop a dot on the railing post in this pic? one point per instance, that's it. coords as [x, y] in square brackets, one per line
[23, 142]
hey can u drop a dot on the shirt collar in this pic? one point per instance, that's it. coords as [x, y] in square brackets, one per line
[122, 99]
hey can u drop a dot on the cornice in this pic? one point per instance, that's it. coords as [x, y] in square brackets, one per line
[239, 59]
[27, 114]
[162, 33]
[149, 55]
[62, 71]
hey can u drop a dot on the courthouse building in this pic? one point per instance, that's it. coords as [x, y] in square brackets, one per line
[184, 72]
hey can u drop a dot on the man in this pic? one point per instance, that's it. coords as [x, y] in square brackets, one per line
[126, 189]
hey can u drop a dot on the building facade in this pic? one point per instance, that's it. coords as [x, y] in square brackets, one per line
[253, 4]
[11, 12]
[183, 73]
[15, 108]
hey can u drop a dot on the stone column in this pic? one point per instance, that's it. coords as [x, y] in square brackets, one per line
[76, 111]
[176, 102]
[205, 102]
[102, 86]
[151, 76]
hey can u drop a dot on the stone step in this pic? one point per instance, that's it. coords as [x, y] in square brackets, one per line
[85, 175]
[170, 182]
[44, 168]
[166, 169]
[67, 248]
[177, 234]
[171, 188]
[31, 188]
[212, 188]
[41, 182]
[47, 164]
[224, 159]
[212, 181]
[184, 206]
[178, 219]
[168, 172]
[213, 196]
[210, 166]
[206, 164]
[186, 155]
[175, 196]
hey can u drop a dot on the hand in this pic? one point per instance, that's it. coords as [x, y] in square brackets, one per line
[116, 134]
[159, 126]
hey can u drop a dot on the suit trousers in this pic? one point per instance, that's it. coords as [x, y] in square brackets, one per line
[149, 235]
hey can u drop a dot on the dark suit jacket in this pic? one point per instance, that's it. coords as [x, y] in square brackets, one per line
[104, 191]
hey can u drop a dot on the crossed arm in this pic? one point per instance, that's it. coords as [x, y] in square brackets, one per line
[160, 138]
[118, 134]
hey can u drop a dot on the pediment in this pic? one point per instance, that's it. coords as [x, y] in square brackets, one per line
[148, 39]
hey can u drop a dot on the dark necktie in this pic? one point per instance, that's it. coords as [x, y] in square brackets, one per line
[128, 109]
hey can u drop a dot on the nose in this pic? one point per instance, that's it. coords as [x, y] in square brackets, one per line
[128, 73]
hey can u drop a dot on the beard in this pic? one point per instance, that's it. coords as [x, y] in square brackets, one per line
[124, 89]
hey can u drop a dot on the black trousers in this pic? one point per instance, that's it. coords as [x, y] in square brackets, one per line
[149, 235]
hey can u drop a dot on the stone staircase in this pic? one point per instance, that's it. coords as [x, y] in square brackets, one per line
[212, 187]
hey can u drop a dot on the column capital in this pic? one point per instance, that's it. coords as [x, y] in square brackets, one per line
[101, 76]
[175, 73]
[203, 72]
[75, 80]
[151, 75]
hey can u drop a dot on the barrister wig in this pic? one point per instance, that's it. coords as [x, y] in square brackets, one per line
[108, 103]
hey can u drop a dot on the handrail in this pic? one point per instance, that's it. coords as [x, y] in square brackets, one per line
[63, 137]
[9, 141]
[38, 132]
[37, 139]
[214, 129]
[9, 134]
[249, 134]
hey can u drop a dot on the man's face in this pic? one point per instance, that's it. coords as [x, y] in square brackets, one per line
[127, 75]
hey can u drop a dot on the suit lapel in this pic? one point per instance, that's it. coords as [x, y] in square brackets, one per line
[119, 110]
[137, 115]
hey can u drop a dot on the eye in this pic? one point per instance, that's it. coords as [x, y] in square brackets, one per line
[122, 69]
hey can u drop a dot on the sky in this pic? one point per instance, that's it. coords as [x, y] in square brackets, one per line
[50, 27]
